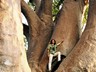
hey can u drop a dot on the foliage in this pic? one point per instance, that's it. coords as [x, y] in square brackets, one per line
[56, 6]
[32, 5]
[85, 15]
[25, 42]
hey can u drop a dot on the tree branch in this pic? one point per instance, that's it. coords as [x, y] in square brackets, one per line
[45, 11]
[39, 35]
[80, 57]
[32, 18]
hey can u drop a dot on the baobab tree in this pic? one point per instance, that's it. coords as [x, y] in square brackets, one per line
[42, 28]
[79, 51]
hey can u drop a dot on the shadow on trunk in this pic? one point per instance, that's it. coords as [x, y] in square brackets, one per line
[26, 31]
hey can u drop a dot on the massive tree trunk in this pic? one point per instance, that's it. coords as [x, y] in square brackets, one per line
[40, 29]
[66, 28]
[83, 56]
[11, 38]
[67, 25]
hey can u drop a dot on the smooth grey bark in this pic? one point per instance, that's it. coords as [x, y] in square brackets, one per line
[12, 54]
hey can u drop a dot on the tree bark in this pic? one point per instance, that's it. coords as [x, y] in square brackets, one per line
[83, 57]
[40, 30]
[11, 38]
[66, 28]
[67, 25]
[45, 11]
